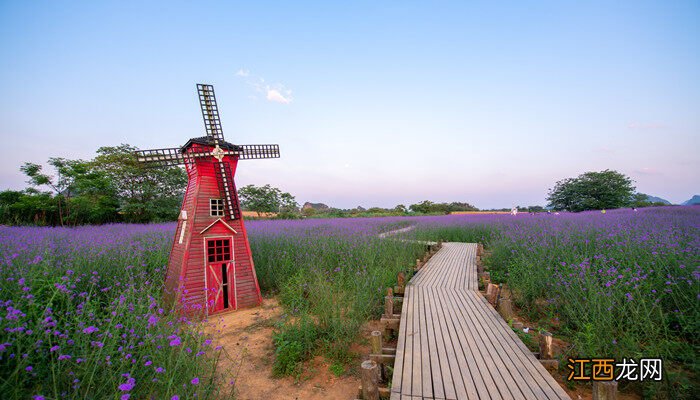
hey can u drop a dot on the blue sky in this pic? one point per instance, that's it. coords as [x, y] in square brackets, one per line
[372, 103]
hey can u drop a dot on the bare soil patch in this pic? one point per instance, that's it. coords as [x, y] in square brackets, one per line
[246, 335]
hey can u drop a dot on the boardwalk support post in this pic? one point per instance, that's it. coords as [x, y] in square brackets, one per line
[505, 309]
[486, 278]
[389, 303]
[400, 283]
[370, 380]
[546, 346]
[377, 345]
[605, 390]
[492, 294]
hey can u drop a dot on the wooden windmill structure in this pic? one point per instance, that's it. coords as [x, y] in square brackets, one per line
[210, 266]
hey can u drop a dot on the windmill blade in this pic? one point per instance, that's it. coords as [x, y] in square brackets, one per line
[227, 188]
[162, 157]
[210, 112]
[259, 151]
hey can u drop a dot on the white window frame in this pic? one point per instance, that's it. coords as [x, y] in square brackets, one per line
[220, 212]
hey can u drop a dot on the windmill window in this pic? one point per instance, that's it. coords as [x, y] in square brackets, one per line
[216, 207]
[219, 250]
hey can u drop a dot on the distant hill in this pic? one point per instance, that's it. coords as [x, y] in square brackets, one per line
[654, 199]
[315, 206]
[695, 200]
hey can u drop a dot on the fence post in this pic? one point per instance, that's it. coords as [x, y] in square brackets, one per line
[605, 390]
[505, 309]
[370, 380]
[377, 345]
[546, 346]
[389, 303]
[401, 280]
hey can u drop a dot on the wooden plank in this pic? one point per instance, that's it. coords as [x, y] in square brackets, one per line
[426, 374]
[434, 352]
[445, 375]
[475, 368]
[407, 375]
[506, 384]
[400, 346]
[416, 381]
[460, 372]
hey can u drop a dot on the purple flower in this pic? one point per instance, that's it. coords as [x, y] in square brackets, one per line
[38, 397]
[160, 370]
[175, 397]
[130, 383]
[29, 368]
[195, 381]
[125, 396]
[64, 357]
[90, 329]
[55, 348]
[175, 340]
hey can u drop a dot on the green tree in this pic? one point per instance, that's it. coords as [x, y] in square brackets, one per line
[143, 194]
[592, 191]
[425, 206]
[81, 194]
[401, 209]
[262, 199]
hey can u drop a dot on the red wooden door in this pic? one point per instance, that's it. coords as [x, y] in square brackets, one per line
[220, 275]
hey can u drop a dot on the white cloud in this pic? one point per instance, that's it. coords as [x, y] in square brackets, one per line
[275, 96]
[275, 93]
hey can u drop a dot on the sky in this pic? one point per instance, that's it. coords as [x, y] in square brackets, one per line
[372, 103]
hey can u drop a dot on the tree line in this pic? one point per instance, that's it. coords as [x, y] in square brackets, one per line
[112, 187]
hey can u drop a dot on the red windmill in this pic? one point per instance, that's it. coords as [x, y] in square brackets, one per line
[210, 264]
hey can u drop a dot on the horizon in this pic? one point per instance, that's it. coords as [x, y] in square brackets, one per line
[373, 105]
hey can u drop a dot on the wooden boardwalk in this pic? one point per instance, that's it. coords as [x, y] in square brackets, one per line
[454, 345]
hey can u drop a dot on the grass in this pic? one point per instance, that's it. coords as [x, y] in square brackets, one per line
[330, 283]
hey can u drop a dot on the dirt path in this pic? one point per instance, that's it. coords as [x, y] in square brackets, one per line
[247, 337]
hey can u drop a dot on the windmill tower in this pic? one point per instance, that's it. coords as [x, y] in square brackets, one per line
[210, 267]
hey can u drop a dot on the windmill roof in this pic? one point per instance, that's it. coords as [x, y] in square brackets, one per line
[208, 141]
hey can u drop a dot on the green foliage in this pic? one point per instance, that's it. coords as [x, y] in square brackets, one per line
[592, 191]
[329, 285]
[113, 187]
[293, 345]
[428, 207]
[267, 199]
[144, 194]
[337, 368]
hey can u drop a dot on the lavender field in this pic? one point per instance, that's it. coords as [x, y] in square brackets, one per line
[82, 315]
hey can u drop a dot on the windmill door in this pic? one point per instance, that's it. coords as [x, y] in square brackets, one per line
[221, 286]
